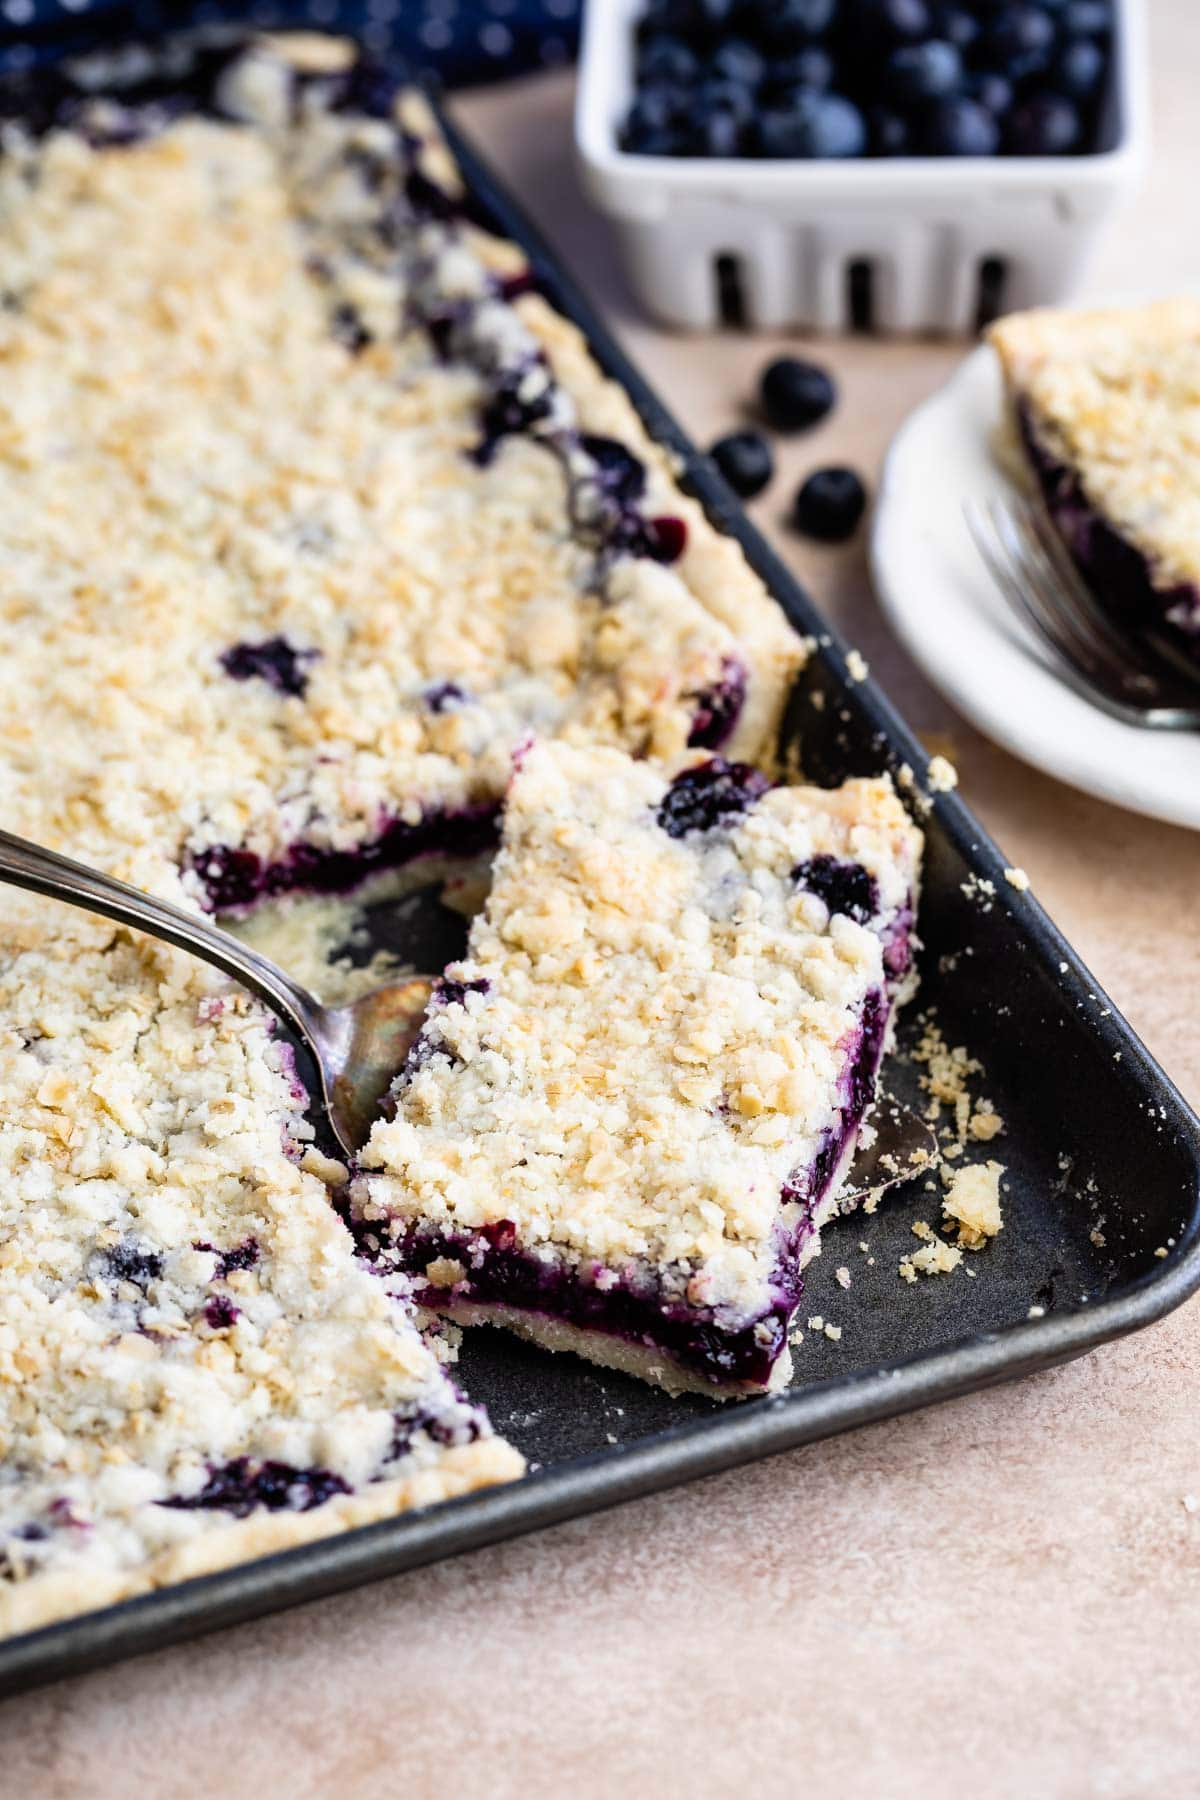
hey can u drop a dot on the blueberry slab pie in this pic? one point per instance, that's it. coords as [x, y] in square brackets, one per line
[1106, 408]
[631, 1106]
[314, 516]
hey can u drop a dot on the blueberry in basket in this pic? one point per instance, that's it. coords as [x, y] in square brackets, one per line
[835, 80]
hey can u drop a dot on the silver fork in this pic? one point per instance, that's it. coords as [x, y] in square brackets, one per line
[358, 1049]
[1035, 573]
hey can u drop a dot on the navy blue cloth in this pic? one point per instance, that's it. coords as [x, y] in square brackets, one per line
[459, 41]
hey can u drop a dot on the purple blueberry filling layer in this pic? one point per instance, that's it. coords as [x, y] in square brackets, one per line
[1116, 572]
[635, 1306]
[233, 877]
[238, 1487]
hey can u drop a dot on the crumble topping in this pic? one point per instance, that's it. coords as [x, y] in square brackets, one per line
[177, 1298]
[653, 1029]
[1114, 395]
[284, 564]
[259, 551]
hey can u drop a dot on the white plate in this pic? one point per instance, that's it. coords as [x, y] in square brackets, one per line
[955, 623]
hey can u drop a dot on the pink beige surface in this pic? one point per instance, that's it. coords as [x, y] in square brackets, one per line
[1000, 1597]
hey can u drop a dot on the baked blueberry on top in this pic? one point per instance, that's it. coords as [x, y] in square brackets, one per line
[1105, 413]
[630, 1121]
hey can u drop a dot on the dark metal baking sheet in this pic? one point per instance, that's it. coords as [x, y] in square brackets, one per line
[1093, 1127]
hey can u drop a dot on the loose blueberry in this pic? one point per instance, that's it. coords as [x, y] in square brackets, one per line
[958, 26]
[668, 142]
[738, 62]
[667, 59]
[927, 71]
[957, 127]
[991, 90]
[830, 505]
[789, 24]
[1079, 68]
[716, 133]
[811, 68]
[900, 21]
[717, 95]
[1015, 31]
[845, 887]
[795, 394]
[745, 460]
[891, 134]
[1043, 125]
[655, 112]
[1087, 18]
[703, 798]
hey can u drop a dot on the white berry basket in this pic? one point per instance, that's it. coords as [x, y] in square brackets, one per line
[905, 244]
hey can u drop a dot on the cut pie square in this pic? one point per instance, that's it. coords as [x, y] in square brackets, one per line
[631, 1106]
[1106, 410]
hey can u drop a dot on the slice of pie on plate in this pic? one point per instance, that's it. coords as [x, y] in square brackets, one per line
[1106, 410]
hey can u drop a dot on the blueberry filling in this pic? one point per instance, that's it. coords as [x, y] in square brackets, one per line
[845, 887]
[619, 473]
[127, 1262]
[349, 329]
[220, 1313]
[242, 1256]
[719, 707]
[443, 696]
[449, 1433]
[274, 660]
[704, 798]
[239, 1486]
[454, 993]
[234, 878]
[634, 1306]
[1117, 574]
[515, 404]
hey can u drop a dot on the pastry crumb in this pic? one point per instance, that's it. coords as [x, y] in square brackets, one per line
[842, 1277]
[941, 777]
[816, 1323]
[857, 667]
[934, 1258]
[973, 1203]
[1190, 1503]
[1036, 1312]
[1018, 879]
[833, 1333]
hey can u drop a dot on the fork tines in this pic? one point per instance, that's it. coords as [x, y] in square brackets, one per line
[1036, 575]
